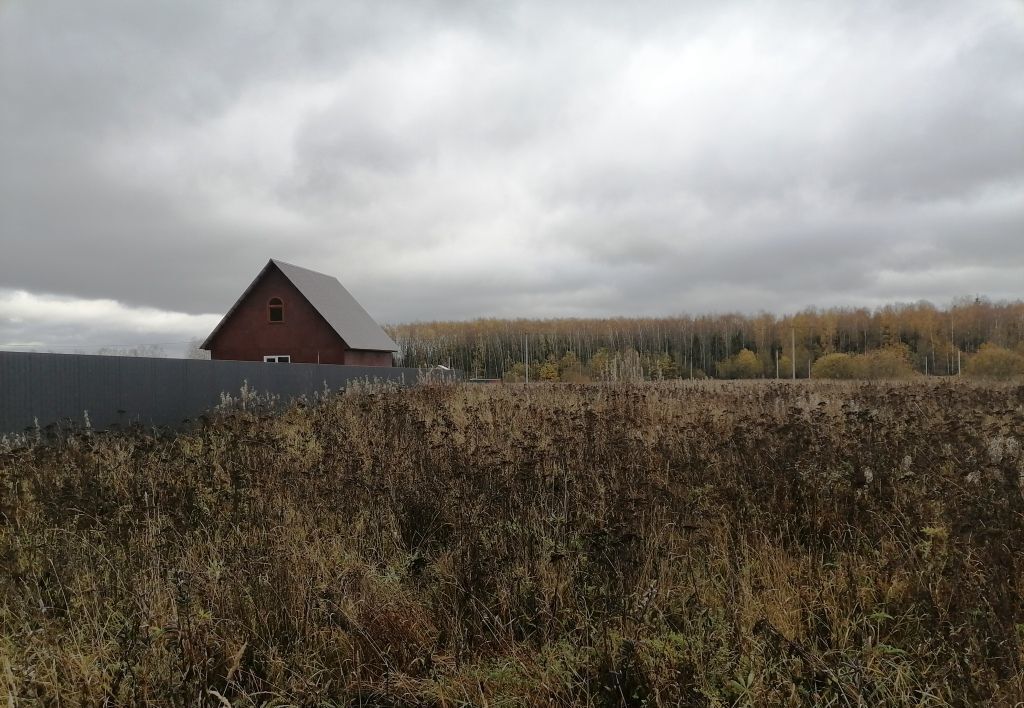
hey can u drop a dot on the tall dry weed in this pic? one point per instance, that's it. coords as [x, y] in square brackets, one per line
[672, 544]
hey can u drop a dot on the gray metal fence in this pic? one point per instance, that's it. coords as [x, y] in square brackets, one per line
[50, 388]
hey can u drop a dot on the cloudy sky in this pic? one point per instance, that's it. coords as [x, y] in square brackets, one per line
[451, 159]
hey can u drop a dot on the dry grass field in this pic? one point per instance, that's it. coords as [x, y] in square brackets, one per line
[706, 544]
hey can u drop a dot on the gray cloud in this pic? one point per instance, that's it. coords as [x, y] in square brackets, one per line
[451, 160]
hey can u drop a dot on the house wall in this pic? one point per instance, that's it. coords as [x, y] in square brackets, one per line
[304, 335]
[363, 357]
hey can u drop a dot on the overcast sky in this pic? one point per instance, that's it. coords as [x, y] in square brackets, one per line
[455, 159]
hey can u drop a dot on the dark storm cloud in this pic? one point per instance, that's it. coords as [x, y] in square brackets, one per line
[452, 160]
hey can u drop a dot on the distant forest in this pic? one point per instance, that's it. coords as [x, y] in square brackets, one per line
[891, 341]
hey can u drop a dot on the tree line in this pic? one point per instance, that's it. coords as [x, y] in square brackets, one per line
[889, 341]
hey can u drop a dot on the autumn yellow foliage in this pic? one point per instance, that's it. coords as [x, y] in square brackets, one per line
[993, 362]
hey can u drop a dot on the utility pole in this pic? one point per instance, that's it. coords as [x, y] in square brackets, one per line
[952, 342]
[527, 357]
[792, 333]
[776, 363]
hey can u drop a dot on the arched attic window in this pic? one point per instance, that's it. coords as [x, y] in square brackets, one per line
[275, 310]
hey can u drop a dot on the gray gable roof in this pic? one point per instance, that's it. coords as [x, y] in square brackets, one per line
[334, 303]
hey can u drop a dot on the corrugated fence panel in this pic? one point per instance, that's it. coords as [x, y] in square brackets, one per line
[200, 392]
[135, 382]
[168, 391]
[98, 392]
[55, 392]
[60, 388]
[15, 392]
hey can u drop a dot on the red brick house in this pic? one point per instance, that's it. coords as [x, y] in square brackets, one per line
[290, 314]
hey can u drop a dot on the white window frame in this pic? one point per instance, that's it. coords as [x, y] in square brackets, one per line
[277, 359]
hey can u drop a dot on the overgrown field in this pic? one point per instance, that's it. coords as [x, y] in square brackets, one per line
[662, 544]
